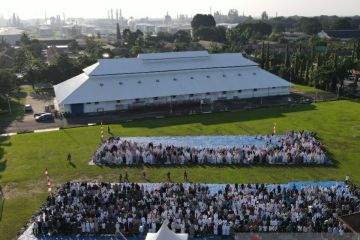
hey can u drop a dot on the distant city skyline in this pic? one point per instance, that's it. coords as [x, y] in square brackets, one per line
[158, 8]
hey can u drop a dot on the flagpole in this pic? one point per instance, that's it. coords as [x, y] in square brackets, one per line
[101, 132]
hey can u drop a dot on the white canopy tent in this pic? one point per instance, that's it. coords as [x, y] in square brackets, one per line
[165, 233]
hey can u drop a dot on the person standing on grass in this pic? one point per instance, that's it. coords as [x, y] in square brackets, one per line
[185, 175]
[168, 176]
[120, 178]
[109, 130]
[69, 157]
[143, 174]
[126, 178]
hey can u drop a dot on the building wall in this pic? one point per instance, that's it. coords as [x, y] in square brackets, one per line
[11, 39]
[126, 104]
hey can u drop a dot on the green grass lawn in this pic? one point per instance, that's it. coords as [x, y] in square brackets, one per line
[24, 157]
[307, 89]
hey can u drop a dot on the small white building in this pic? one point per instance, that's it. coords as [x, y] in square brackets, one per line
[11, 35]
[162, 28]
[45, 31]
[147, 28]
[165, 78]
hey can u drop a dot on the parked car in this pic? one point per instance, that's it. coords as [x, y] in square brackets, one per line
[28, 108]
[44, 117]
[38, 114]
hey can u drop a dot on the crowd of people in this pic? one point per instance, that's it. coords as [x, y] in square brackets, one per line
[293, 148]
[135, 209]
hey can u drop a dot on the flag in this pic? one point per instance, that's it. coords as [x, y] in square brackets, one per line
[274, 129]
[48, 180]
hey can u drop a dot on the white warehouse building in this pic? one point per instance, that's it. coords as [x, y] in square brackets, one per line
[163, 78]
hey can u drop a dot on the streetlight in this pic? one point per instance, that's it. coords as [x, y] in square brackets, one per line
[338, 85]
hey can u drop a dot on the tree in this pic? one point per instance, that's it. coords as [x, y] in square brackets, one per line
[168, 37]
[8, 85]
[7, 82]
[22, 58]
[342, 24]
[34, 72]
[267, 57]
[73, 46]
[64, 69]
[310, 25]
[202, 20]
[264, 16]
[182, 36]
[245, 32]
[93, 47]
[118, 34]
[216, 34]
[263, 55]
[25, 40]
[135, 50]
[287, 57]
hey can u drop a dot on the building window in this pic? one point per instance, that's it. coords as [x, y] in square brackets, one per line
[239, 91]
[88, 103]
[157, 80]
[117, 101]
[137, 100]
[156, 98]
[224, 75]
[139, 82]
[207, 76]
[239, 74]
[173, 96]
[175, 79]
[273, 87]
[96, 103]
[254, 73]
[101, 84]
[191, 77]
[224, 92]
[255, 90]
[207, 93]
[191, 95]
[120, 83]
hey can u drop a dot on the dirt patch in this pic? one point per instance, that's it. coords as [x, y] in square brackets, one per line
[26, 189]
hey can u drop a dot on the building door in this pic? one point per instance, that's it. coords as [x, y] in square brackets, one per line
[77, 108]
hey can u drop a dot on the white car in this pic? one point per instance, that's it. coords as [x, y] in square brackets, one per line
[28, 108]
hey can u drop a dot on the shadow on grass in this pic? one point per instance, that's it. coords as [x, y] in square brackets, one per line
[72, 164]
[2, 203]
[4, 142]
[70, 136]
[221, 166]
[223, 117]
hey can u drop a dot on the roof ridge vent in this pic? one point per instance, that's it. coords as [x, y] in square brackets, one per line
[173, 55]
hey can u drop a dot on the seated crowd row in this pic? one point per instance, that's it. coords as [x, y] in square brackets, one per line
[292, 148]
[135, 209]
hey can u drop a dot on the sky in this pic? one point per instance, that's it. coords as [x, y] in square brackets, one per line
[27, 9]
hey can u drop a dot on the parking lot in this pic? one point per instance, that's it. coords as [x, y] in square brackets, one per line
[38, 101]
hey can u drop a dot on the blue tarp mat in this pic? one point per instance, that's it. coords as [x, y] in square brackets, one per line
[207, 141]
[119, 238]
